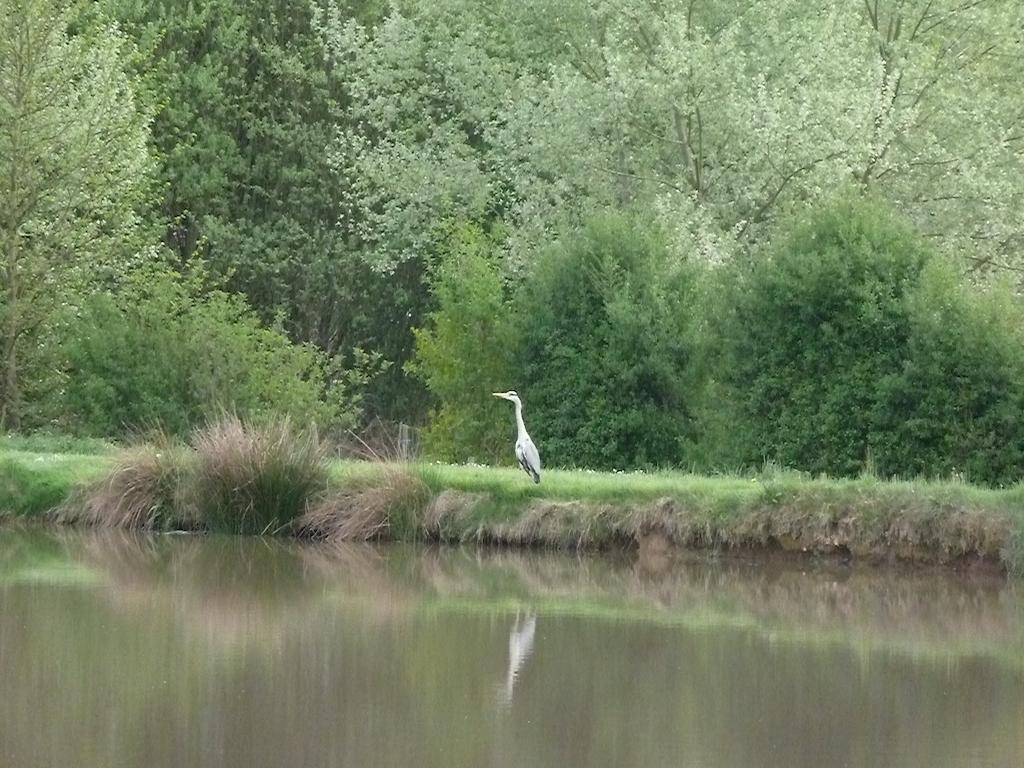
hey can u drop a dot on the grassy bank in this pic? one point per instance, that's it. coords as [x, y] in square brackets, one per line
[917, 521]
[276, 483]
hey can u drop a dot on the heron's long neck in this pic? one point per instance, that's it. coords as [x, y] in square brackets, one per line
[520, 426]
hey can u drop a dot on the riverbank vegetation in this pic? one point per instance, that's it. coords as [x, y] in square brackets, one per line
[687, 235]
[238, 478]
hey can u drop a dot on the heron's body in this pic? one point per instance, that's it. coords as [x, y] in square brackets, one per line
[528, 457]
[526, 451]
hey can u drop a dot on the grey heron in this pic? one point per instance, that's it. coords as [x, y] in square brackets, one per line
[526, 451]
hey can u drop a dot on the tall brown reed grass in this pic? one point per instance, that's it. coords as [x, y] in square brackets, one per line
[256, 478]
[236, 477]
[385, 506]
[145, 489]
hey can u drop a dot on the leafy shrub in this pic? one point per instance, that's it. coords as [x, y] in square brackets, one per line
[818, 322]
[852, 345]
[602, 329]
[164, 351]
[465, 354]
[594, 339]
[956, 405]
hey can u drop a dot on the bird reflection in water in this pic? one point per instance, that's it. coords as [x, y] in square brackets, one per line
[520, 646]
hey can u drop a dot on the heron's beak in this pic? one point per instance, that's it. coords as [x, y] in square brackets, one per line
[498, 394]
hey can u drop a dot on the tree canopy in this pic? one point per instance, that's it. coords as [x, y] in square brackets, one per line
[370, 209]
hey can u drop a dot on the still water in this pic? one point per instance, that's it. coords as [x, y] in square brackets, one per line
[119, 650]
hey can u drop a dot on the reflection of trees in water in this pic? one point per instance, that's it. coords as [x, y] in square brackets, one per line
[877, 603]
[239, 585]
[204, 651]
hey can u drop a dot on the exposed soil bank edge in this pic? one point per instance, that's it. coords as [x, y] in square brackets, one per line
[913, 521]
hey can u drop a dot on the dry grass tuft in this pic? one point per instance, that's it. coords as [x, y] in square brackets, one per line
[388, 505]
[545, 522]
[256, 478]
[1013, 551]
[445, 517]
[142, 491]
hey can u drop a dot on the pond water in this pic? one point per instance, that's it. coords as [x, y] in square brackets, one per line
[121, 650]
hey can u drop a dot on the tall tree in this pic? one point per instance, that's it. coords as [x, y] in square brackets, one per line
[248, 105]
[717, 117]
[947, 135]
[73, 159]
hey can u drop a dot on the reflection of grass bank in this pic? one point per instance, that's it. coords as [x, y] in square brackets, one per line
[253, 484]
[229, 591]
[275, 640]
[767, 621]
[862, 641]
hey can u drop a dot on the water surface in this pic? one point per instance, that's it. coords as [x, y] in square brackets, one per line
[119, 650]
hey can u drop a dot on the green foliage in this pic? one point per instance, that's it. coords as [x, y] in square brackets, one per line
[604, 349]
[467, 351]
[537, 112]
[306, 151]
[534, 114]
[956, 406]
[247, 106]
[164, 351]
[819, 321]
[852, 345]
[595, 340]
[73, 169]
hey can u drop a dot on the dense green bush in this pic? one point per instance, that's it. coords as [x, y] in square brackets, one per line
[818, 322]
[956, 405]
[164, 351]
[603, 348]
[466, 352]
[594, 338]
[847, 346]
[851, 346]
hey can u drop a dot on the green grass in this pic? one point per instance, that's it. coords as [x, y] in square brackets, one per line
[919, 521]
[31, 484]
[564, 484]
[923, 520]
[42, 442]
